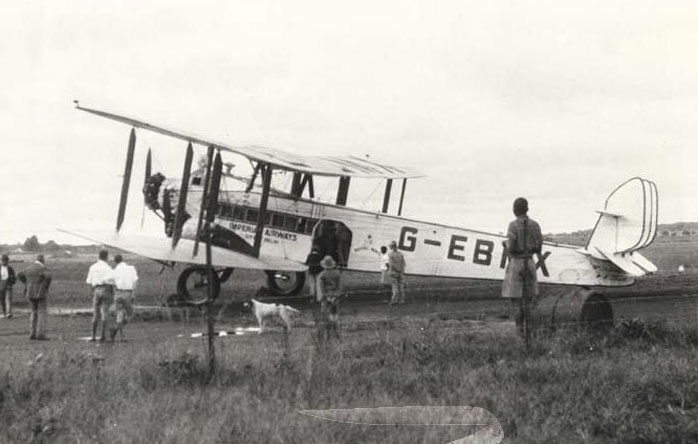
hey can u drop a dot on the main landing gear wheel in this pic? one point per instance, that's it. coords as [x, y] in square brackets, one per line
[193, 282]
[285, 283]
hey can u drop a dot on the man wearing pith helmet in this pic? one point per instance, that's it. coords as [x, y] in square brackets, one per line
[524, 240]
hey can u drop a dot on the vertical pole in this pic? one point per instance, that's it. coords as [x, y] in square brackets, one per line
[209, 307]
[204, 197]
[524, 294]
[211, 209]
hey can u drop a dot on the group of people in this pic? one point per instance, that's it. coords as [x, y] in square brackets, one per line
[113, 289]
[36, 280]
[113, 292]
[524, 240]
[325, 283]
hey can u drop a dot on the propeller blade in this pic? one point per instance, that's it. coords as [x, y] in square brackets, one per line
[214, 188]
[204, 197]
[148, 164]
[180, 215]
[127, 179]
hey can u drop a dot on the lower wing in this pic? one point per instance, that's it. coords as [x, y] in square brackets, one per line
[160, 248]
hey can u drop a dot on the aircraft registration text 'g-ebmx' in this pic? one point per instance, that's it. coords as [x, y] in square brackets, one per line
[266, 228]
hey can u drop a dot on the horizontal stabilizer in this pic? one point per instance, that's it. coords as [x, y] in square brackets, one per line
[643, 262]
[160, 248]
[608, 213]
[624, 262]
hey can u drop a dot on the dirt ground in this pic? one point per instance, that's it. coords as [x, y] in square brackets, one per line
[668, 296]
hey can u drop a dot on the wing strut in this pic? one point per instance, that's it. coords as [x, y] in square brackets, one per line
[250, 185]
[343, 191]
[386, 196]
[204, 197]
[266, 170]
[180, 215]
[127, 179]
[402, 197]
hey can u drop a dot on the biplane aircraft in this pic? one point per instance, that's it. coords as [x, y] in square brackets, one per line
[262, 227]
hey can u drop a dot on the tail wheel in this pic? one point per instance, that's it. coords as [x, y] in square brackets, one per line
[193, 283]
[285, 283]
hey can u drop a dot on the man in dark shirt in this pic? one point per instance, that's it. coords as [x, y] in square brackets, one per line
[524, 239]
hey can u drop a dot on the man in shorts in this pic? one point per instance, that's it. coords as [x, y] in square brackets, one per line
[125, 280]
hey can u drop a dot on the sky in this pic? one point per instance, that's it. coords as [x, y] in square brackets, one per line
[557, 101]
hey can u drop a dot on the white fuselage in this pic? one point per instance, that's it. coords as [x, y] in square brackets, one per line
[430, 249]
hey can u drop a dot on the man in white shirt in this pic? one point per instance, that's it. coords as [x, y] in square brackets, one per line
[385, 265]
[7, 280]
[100, 278]
[125, 280]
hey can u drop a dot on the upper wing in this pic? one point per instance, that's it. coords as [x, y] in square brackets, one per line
[319, 165]
[160, 248]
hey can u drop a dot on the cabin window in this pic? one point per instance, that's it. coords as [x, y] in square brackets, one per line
[310, 226]
[302, 223]
[290, 223]
[196, 180]
[239, 213]
[277, 220]
[252, 215]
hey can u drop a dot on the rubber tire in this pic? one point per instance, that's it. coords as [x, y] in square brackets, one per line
[182, 284]
[274, 287]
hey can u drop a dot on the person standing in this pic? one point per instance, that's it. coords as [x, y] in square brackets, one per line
[384, 265]
[125, 281]
[314, 268]
[7, 280]
[343, 236]
[396, 274]
[330, 290]
[524, 239]
[37, 280]
[101, 281]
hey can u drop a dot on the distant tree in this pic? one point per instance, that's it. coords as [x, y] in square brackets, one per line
[32, 244]
[685, 233]
[666, 233]
[51, 246]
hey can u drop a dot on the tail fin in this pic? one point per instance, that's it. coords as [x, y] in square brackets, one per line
[627, 223]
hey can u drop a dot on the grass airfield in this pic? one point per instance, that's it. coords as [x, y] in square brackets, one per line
[450, 345]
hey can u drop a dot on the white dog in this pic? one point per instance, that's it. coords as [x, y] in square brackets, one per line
[263, 311]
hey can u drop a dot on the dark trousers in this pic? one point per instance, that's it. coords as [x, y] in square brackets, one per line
[37, 319]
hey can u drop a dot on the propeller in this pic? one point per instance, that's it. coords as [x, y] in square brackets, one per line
[180, 215]
[127, 179]
[148, 167]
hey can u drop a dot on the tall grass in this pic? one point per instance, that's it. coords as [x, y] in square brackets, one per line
[627, 388]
